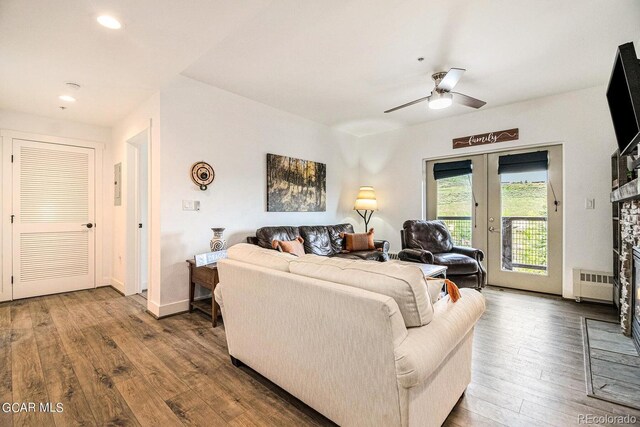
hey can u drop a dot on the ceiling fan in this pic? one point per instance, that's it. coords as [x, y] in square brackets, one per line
[441, 96]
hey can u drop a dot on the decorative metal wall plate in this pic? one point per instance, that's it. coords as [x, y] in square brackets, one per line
[202, 174]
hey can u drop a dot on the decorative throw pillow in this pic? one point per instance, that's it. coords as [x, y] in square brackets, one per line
[435, 287]
[294, 247]
[358, 241]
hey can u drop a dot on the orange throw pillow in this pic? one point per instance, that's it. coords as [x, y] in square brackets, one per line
[358, 241]
[293, 247]
[452, 290]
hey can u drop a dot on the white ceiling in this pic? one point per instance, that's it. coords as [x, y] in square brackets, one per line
[336, 62]
[44, 43]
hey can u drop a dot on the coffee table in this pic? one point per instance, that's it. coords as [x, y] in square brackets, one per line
[430, 271]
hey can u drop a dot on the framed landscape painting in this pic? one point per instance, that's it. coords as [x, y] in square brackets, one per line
[295, 185]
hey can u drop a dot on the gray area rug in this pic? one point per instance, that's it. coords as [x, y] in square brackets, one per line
[612, 363]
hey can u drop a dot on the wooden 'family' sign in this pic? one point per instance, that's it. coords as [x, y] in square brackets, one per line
[486, 138]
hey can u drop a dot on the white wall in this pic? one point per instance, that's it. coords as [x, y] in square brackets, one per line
[392, 162]
[12, 120]
[144, 117]
[199, 122]
[234, 134]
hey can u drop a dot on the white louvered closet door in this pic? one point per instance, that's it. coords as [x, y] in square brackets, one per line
[53, 203]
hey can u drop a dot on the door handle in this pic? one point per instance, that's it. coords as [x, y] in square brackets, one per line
[88, 225]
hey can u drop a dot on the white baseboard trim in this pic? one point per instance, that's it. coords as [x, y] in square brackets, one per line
[117, 285]
[168, 309]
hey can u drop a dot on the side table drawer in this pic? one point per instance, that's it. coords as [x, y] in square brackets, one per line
[205, 276]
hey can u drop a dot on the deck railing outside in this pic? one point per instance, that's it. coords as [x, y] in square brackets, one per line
[524, 240]
[524, 243]
[460, 229]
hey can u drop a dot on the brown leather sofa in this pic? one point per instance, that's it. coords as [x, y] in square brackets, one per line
[323, 240]
[429, 242]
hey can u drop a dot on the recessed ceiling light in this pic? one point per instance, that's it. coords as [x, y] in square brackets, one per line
[109, 22]
[67, 98]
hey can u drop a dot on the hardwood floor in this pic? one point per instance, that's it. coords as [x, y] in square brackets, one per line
[110, 363]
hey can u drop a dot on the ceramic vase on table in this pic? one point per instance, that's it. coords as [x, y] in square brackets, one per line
[218, 243]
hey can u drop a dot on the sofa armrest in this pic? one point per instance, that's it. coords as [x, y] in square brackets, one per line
[382, 244]
[427, 347]
[416, 255]
[476, 254]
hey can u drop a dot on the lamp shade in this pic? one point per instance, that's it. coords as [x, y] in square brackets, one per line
[366, 200]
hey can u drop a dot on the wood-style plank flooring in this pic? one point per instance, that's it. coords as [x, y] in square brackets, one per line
[110, 363]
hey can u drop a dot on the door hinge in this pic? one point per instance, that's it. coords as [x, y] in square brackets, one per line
[12, 216]
[12, 280]
[12, 158]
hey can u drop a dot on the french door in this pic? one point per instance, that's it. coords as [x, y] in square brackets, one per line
[53, 244]
[524, 220]
[505, 204]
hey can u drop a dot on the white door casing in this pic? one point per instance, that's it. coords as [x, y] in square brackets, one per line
[53, 248]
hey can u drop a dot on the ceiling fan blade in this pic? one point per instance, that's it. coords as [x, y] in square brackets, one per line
[451, 79]
[407, 104]
[467, 100]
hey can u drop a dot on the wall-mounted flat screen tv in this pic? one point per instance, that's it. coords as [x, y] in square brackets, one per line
[623, 96]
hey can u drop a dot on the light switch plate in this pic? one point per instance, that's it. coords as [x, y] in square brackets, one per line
[590, 203]
[190, 205]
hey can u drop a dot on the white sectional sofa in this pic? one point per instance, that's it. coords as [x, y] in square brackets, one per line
[359, 341]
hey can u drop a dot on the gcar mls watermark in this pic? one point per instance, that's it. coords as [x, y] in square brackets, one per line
[606, 419]
[19, 407]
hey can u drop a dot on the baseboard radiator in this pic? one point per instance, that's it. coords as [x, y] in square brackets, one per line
[393, 255]
[592, 285]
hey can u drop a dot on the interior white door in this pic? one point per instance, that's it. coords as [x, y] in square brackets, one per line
[54, 210]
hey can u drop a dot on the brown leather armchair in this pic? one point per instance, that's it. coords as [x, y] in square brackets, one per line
[429, 242]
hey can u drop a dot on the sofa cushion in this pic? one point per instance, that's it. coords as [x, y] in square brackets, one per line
[256, 255]
[266, 235]
[374, 255]
[337, 242]
[316, 240]
[404, 283]
[432, 236]
[457, 264]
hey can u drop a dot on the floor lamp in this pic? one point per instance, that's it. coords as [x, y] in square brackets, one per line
[365, 204]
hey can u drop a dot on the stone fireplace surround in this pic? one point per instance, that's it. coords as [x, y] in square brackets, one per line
[630, 238]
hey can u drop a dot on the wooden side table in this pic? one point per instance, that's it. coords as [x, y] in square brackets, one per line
[206, 277]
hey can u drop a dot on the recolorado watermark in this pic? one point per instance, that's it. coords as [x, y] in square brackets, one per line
[606, 419]
[28, 407]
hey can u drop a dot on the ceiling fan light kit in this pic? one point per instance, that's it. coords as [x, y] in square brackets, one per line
[440, 100]
[442, 96]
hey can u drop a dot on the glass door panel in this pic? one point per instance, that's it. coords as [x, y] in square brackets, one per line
[460, 201]
[455, 207]
[524, 221]
[524, 224]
